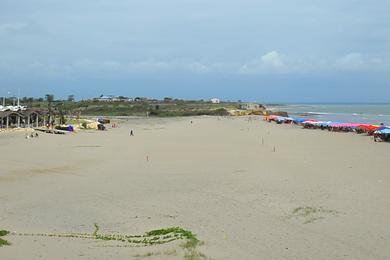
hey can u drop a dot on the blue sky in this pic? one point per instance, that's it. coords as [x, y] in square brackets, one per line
[267, 51]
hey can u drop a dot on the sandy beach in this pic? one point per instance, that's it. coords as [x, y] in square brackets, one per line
[247, 188]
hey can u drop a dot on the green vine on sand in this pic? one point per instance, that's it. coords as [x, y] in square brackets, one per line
[154, 237]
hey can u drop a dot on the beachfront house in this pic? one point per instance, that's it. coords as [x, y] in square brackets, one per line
[106, 98]
[215, 101]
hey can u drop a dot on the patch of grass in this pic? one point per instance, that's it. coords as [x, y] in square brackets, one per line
[176, 231]
[4, 242]
[96, 229]
[189, 244]
[311, 214]
[3, 233]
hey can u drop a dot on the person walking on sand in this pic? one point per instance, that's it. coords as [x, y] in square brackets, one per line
[131, 132]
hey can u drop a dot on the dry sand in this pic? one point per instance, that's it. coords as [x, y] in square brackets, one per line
[215, 177]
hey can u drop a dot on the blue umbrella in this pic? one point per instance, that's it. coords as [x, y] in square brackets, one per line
[384, 131]
[299, 120]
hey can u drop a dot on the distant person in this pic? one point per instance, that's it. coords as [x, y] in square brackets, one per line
[131, 132]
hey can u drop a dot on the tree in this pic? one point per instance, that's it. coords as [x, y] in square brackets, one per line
[71, 98]
[49, 98]
[62, 117]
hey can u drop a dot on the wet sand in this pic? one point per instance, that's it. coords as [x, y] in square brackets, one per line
[248, 189]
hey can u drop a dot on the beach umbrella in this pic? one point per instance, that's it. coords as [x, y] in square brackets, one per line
[382, 128]
[299, 120]
[325, 123]
[310, 122]
[383, 131]
[336, 124]
[368, 127]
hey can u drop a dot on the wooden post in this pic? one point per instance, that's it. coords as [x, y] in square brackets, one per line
[37, 122]
[28, 121]
[18, 121]
[7, 122]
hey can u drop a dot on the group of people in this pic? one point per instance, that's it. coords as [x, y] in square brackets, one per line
[378, 137]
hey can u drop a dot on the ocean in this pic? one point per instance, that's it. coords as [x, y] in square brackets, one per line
[354, 113]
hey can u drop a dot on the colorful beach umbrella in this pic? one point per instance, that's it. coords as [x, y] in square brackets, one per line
[383, 131]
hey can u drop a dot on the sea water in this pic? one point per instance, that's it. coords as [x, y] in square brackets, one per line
[352, 113]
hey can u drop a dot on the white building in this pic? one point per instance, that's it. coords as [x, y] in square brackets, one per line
[215, 101]
[106, 98]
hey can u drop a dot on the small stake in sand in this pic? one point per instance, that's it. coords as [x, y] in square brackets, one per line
[274, 150]
[262, 140]
[147, 158]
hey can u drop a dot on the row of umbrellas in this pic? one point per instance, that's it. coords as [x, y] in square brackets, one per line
[379, 129]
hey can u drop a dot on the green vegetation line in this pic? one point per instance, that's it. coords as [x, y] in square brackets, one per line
[159, 236]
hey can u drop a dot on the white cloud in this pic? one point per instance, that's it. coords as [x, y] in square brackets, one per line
[269, 62]
[145, 66]
[351, 61]
[274, 62]
[361, 62]
[11, 27]
[198, 67]
[272, 59]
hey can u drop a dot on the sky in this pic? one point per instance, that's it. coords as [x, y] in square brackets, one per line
[264, 50]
